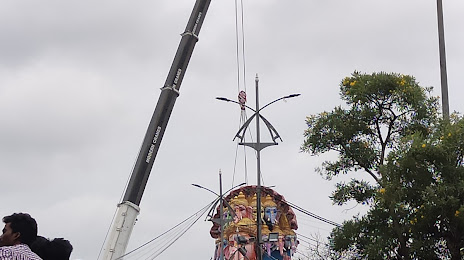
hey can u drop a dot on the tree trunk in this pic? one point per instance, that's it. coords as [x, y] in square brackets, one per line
[403, 250]
[454, 245]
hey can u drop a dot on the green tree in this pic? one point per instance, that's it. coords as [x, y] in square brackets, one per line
[423, 182]
[381, 110]
[428, 172]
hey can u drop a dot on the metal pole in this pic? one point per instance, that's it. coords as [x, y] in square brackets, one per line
[443, 74]
[221, 220]
[258, 146]
[258, 189]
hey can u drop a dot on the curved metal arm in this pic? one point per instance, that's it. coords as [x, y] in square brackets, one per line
[233, 101]
[289, 96]
[215, 202]
[201, 187]
[271, 129]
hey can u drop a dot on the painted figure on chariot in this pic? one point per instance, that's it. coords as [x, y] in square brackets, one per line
[238, 239]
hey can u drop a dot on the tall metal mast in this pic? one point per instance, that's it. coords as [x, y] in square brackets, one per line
[443, 74]
[128, 209]
[257, 147]
[258, 176]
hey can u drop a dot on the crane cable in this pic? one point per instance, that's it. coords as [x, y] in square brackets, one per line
[240, 44]
[180, 229]
[241, 76]
[241, 80]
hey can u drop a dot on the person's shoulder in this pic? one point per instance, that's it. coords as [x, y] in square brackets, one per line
[6, 252]
[24, 251]
[6, 248]
[29, 253]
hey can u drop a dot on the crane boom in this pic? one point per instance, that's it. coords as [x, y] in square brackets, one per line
[128, 209]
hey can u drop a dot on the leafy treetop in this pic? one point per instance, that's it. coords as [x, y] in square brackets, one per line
[381, 108]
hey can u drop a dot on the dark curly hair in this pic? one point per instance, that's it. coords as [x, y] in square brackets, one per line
[56, 249]
[25, 225]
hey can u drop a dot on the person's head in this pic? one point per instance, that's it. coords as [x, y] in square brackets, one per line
[56, 249]
[40, 246]
[20, 228]
[60, 249]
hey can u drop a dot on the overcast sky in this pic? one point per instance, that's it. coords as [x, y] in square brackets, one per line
[79, 81]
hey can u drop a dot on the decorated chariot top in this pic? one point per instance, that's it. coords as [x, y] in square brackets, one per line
[240, 228]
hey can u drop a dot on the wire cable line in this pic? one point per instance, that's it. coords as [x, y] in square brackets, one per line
[240, 43]
[302, 210]
[151, 250]
[312, 239]
[310, 222]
